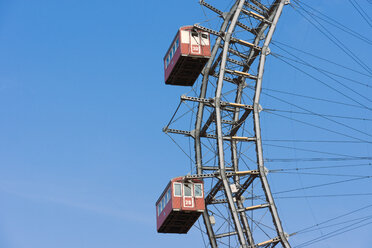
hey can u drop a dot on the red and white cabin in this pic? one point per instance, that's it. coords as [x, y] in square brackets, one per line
[186, 57]
[180, 205]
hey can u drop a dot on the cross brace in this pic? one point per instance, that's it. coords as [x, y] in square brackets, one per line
[229, 174]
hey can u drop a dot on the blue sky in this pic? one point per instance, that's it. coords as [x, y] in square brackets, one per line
[82, 105]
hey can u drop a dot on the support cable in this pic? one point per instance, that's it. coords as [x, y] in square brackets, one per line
[321, 58]
[314, 141]
[320, 174]
[313, 151]
[287, 160]
[323, 196]
[320, 167]
[312, 98]
[302, 62]
[322, 185]
[317, 114]
[319, 127]
[333, 22]
[334, 233]
[334, 40]
[362, 13]
[324, 83]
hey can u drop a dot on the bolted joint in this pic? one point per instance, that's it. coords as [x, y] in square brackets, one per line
[287, 2]
[265, 50]
[193, 133]
[262, 36]
[217, 101]
[224, 15]
[263, 170]
[256, 107]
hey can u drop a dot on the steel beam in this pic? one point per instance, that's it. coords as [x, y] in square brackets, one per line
[268, 18]
[199, 118]
[239, 122]
[257, 129]
[260, 5]
[221, 158]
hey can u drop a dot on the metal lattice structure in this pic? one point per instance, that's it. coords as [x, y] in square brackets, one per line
[240, 208]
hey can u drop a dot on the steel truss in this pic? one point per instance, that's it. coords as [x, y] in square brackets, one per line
[241, 46]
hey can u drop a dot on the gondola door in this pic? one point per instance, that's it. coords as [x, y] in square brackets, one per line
[188, 197]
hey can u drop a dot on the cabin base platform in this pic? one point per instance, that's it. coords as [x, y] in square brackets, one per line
[186, 70]
[179, 222]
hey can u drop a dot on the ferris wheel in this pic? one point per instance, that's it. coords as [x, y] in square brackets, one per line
[229, 187]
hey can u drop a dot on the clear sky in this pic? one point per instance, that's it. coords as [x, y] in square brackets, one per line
[82, 104]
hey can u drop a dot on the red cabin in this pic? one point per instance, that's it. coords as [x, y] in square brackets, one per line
[186, 57]
[180, 205]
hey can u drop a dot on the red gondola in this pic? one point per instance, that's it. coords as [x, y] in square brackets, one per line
[180, 205]
[186, 57]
